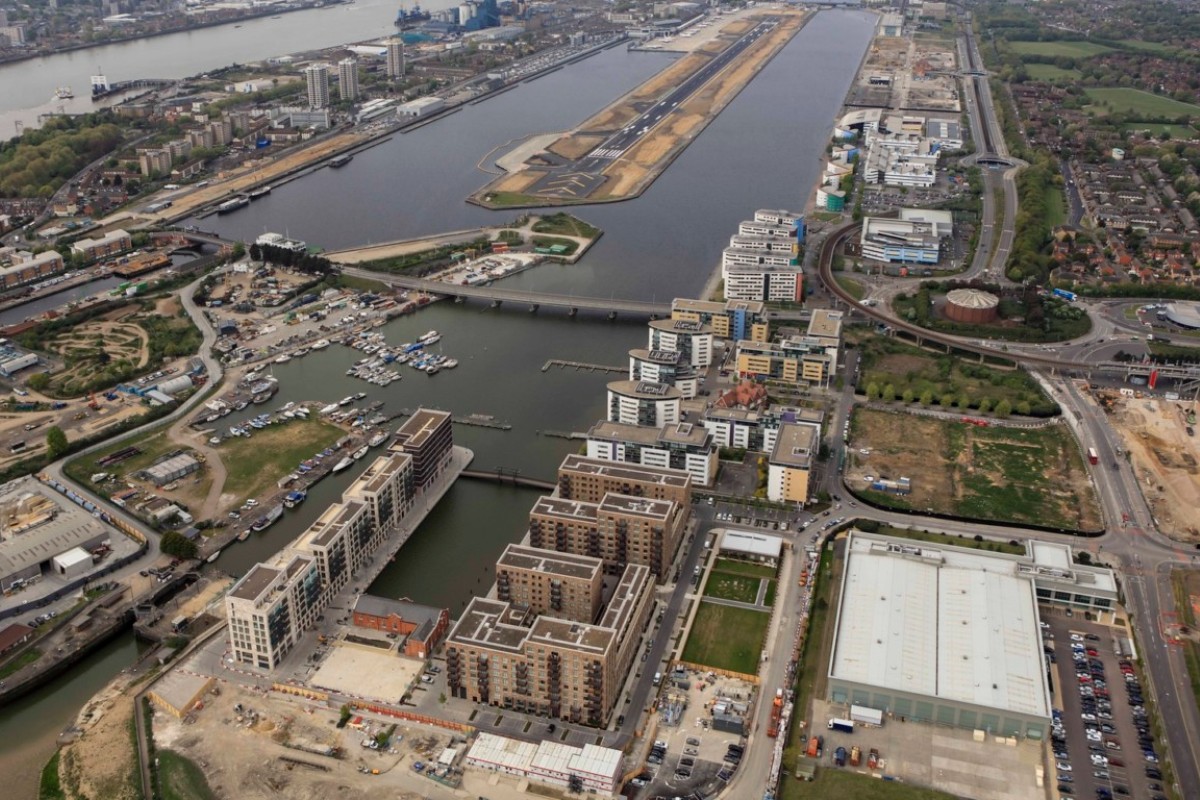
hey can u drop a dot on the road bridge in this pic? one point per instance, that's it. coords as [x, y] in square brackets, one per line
[511, 477]
[533, 300]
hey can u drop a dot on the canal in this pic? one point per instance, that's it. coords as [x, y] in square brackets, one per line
[763, 151]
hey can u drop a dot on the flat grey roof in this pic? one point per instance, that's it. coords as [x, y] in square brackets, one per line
[37, 524]
[662, 357]
[254, 582]
[417, 429]
[424, 617]
[535, 559]
[645, 390]
[682, 326]
[947, 622]
[796, 444]
[680, 433]
[637, 506]
[625, 472]
[825, 323]
[551, 506]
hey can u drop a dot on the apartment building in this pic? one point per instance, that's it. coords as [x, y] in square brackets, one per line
[733, 319]
[751, 429]
[589, 479]
[341, 540]
[643, 403]
[387, 488]
[270, 608]
[113, 242]
[811, 358]
[681, 446]
[790, 464]
[549, 583]
[761, 277]
[664, 366]
[620, 529]
[502, 655]
[692, 338]
[428, 437]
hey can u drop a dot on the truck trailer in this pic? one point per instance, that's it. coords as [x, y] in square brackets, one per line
[843, 725]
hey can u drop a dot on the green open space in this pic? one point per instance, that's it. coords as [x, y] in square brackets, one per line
[513, 200]
[1056, 206]
[1052, 74]
[835, 784]
[1057, 49]
[565, 225]
[568, 246]
[905, 368]
[731, 587]
[1149, 47]
[254, 466]
[1185, 586]
[1003, 474]
[1021, 316]
[726, 637]
[736, 567]
[1158, 129]
[851, 287]
[153, 445]
[1135, 101]
[19, 662]
[181, 778]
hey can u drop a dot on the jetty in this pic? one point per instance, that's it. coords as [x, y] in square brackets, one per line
[582, 366]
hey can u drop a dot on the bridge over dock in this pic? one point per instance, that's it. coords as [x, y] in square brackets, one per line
[510, 477]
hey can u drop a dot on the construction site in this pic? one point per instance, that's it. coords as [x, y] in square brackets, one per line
[616, 154]
[908, 73]
[1159, 438]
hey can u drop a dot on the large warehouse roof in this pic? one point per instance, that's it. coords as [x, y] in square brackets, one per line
[952, 623]
[37, 524]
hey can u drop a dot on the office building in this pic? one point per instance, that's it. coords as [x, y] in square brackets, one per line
[502, 655]
[549, 583]
[348, 78]
[590, 479]
[733, 319]
[681, 446]
[791, 461]
[271, 607]
[428, 437]
[693, 339]
[395, 58]
[941, 634]
[664, 366]
[422, 627]
[915, 238]
[643, 403]
[316, 78]
[621, 529]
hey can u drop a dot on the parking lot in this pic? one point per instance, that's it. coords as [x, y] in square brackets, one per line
[1101, 746]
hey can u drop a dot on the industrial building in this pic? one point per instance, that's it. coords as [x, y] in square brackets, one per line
[590, 479]
[664, 366]
[12, 364]
[733, 319]
[972, 306]
[111, 243]
[594, 768]
[423, 627]
[899, 159]
[693, 339]
[950, 635]
[915, 238]
[621, 529]
[682, 446]
[643, 403]
[171, 469]
[421, 107]
[38, 526]
[428, 437]
[502, 655]
[791, 462]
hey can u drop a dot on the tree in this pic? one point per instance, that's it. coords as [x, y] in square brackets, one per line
[873, 390]
[927, 397]
[908, 396]
[174, 543]
[1003, 408]
[239, 250]
[964, 401]
[56, 442]
[1023, 408]
[39, 381]
[889, 393]
[948, 399]
[985, 405]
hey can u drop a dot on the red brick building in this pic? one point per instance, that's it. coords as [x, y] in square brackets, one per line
[423, 627]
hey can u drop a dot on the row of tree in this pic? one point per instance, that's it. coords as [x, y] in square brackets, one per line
[38, 162]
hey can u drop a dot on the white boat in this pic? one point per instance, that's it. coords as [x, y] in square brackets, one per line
[329, 409]
[283, 359]
[450, 363]
[343, 464]
[320, 344]
[378, 439]
[359, 453]
[63, 93]
[428, 336]
[433, 339]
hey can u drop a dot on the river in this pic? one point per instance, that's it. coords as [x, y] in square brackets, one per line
[29, 85]
[763, 151]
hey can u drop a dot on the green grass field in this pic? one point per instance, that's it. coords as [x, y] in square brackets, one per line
[1052, 74]
[731, 587]
[1135, 101]
[851, 286]
[726, 638]
[1056, 206]
[254, 465]
[743, 568]
[1157, 129]
[1055, 49]
[834, 784]
[564, 224]
[1149, 47]
[181, 778]
[33, 654]
[50, 787]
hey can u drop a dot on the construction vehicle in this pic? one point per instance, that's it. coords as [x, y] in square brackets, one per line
[813, 748]
[776, 712]
[93, 403]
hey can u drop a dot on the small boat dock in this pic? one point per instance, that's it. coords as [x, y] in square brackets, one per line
[581, 366]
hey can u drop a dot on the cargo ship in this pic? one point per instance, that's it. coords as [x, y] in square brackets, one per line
[341, 160]
[229, 206]
[410, 19]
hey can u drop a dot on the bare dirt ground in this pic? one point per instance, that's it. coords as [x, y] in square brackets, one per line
[994, 473]
[102, 761]
[579, 145]
[1164, 459]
